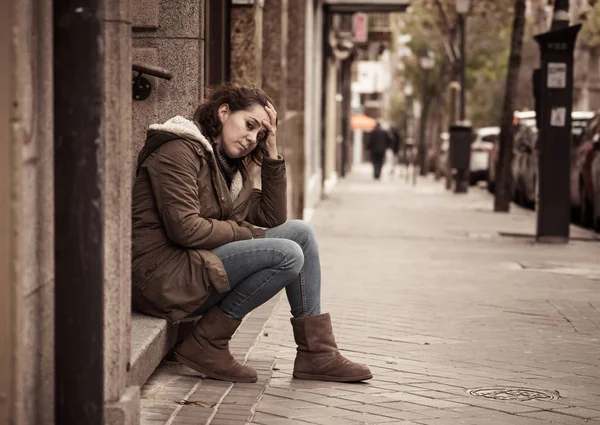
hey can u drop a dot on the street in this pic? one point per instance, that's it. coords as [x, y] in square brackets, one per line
[461, 316]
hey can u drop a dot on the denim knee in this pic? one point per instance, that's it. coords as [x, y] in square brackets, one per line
[301, 232]
[293, 258]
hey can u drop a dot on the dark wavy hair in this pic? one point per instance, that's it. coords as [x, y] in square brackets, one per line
[238, 98]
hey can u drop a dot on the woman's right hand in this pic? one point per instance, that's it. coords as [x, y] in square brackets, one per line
[271, 126]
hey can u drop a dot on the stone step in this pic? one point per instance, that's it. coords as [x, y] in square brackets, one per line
[151, 340]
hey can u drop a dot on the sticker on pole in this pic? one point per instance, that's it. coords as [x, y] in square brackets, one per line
[557, 75]
[558, 117]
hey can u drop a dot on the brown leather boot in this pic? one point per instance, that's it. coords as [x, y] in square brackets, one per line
[317, 356]
[206, 349]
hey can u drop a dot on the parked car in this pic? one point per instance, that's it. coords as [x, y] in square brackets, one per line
[525, 165]
[595, 175]
[585, 137]
[442, 167]
[525, 162]
[485, 140]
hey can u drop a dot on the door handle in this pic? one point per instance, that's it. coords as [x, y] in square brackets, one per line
[141, 86]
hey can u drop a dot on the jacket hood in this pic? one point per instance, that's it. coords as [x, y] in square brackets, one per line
[174, 128]
[181, 128]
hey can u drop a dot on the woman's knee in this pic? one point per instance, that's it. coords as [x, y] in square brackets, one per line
[292, 259]
[300, 231]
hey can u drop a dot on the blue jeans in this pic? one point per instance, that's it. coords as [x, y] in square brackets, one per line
[258, 269]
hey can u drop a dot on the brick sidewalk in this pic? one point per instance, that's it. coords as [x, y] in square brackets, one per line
[457, 311]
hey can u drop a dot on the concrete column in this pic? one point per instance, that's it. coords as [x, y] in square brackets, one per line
[331, 125]
[274, 52]
[122, 403]
[246, 43]
[274, 80]
[296, 78]
[31, 192]
[313, 105]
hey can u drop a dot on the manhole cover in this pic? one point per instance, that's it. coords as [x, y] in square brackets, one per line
[513, 394]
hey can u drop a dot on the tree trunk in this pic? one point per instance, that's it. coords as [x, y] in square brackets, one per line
[503, 172]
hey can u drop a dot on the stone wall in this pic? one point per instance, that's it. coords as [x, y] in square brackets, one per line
[246, 44]
[169, 34]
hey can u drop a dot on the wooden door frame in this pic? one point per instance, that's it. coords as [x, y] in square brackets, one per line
[217, 42]
[7, 278]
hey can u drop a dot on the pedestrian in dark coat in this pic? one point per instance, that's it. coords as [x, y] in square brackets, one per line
[395, 144]
[208, 246]
[378, 141]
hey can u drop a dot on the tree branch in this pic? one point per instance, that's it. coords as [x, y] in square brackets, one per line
[448, 46]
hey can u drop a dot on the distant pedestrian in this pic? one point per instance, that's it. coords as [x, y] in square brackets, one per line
[200, 248]
[378, 141]
[395, 144]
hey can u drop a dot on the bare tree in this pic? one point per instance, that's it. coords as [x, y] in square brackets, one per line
[503, 190]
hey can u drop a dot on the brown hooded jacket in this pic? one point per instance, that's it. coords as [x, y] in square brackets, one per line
[183, 208]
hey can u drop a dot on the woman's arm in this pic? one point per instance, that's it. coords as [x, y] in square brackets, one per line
[268, 207]
[173, 175]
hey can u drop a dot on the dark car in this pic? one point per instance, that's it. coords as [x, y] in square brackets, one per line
[526, 159]
[583, 196]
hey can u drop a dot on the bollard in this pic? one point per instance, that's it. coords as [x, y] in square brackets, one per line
[461, 136]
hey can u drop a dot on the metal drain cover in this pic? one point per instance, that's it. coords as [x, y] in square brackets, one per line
[513, 394]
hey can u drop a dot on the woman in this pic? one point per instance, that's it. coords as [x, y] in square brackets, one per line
[199, 247]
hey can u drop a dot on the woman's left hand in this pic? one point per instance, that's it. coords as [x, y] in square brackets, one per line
[271, 126]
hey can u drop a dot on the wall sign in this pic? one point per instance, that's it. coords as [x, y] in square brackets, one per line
[557, 75]
[360, 27]
[558, 117]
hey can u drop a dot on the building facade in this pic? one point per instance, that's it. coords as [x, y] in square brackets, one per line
[71, 349]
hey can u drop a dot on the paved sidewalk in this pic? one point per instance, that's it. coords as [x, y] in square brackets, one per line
[461, 316]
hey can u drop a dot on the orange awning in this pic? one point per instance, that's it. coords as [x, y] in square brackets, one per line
[362, 122]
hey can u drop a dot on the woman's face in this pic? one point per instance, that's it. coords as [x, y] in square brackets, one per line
[242, 130]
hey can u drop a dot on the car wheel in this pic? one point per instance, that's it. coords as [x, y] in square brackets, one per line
[596, 217]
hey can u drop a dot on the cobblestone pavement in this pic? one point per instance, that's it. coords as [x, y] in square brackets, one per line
[461, 316]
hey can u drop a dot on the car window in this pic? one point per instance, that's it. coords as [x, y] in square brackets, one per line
[578, 127]
[589, 131]
[493, 138]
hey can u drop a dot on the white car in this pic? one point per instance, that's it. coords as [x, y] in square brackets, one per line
[485, 139]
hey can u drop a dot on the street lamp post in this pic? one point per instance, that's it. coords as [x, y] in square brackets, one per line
[426, 63]
[408, 145]
[462, 7]
[461, 131]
